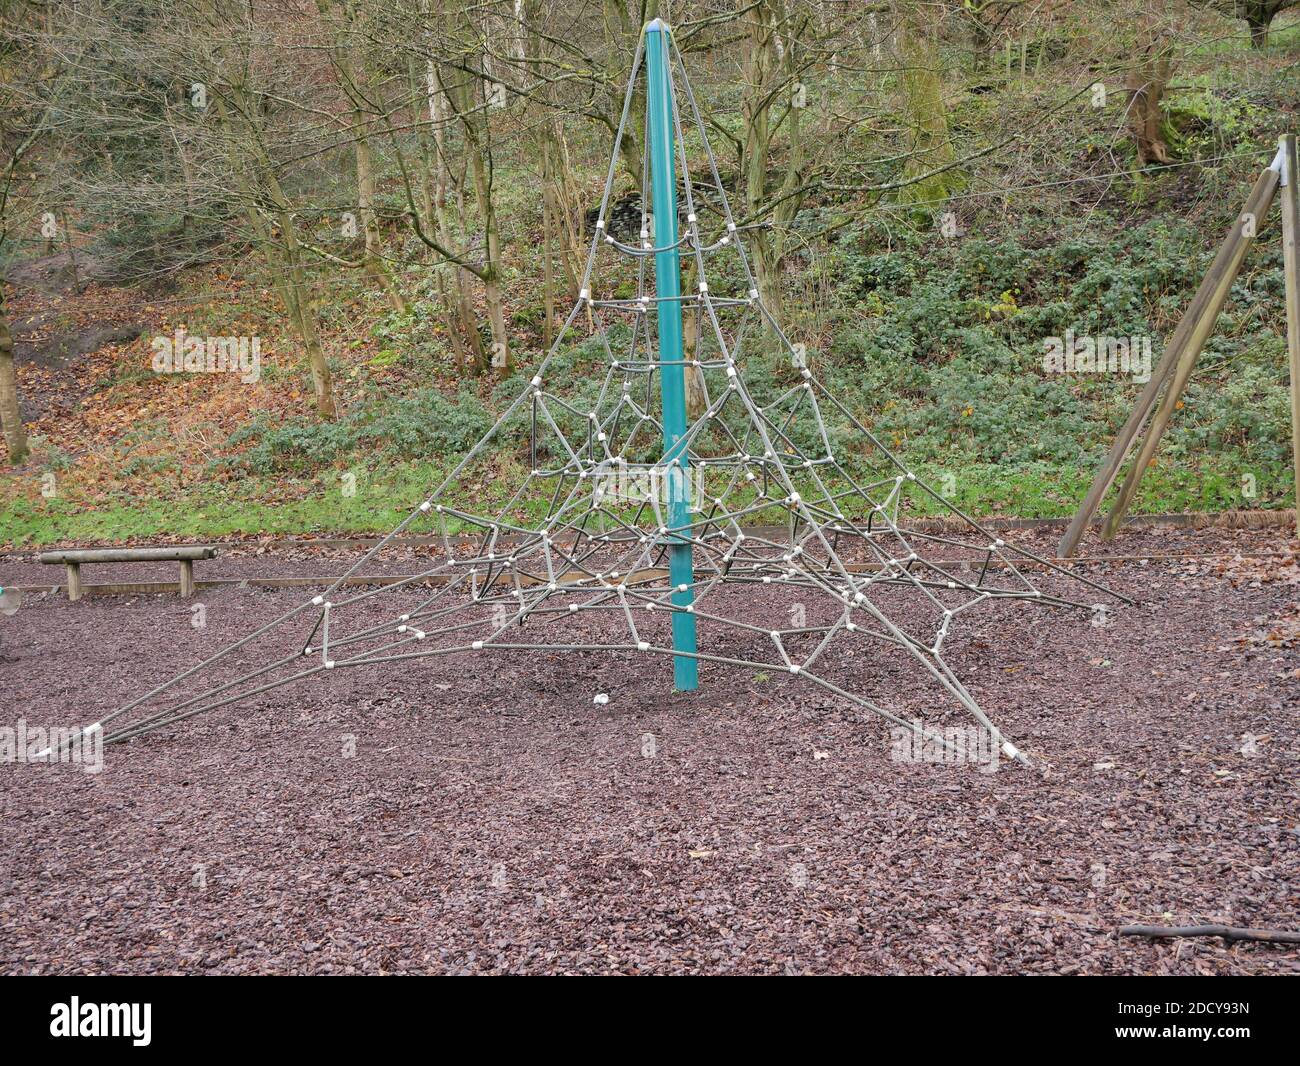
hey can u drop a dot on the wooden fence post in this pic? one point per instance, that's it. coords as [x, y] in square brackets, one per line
[1291, 261]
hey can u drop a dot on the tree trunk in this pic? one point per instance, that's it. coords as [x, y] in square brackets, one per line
[257, 186]
[11, 416]
[621, 34]
[696, 393]
[755, 108]
[550, 240]
[570, 207]
[480, 163]
[376, 270]
[420, 83]
[557, 200]
[926, 113]
[983, 49]
[453, 279]
[1259, 24]
[350, 63]
[772, 72]
[1147, 81]
[300, 307]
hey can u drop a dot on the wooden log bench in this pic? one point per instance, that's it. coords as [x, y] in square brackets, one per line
[184, 554]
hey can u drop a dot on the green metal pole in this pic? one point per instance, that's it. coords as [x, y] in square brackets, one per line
[672, 372]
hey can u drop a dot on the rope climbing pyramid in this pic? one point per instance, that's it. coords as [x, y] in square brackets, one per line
[671, 507]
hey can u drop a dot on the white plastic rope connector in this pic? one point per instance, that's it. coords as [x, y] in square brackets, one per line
[1279, 165]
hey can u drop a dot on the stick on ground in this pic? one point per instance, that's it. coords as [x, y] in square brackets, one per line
[1228, 932]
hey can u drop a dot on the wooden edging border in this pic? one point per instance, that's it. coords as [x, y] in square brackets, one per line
[1241, 519]
[1187, 520]
[147, 588]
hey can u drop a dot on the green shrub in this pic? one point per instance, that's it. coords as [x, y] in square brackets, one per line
[426, 424]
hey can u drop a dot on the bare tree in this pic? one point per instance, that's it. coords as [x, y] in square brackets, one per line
[232, 68]
[28, 87]
[1258, 15]
[1148, 78]
[351, 63]
[924, 110]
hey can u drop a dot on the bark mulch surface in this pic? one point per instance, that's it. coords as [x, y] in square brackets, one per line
[480, 813]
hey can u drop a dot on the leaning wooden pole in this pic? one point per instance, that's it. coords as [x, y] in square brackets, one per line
[1182, 371]
[1291, 261]
[1109, 470]
[1247, 226]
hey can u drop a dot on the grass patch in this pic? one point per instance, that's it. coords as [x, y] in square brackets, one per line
[387, 495]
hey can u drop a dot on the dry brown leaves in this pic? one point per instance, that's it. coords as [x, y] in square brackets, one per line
[1282, 567]
[1281, 632]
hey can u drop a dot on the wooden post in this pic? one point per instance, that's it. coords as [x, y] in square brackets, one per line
[1291, 261]
[74, 581]
[1168, 404]
[187, 578]
[1124, 441]
[1248, 223]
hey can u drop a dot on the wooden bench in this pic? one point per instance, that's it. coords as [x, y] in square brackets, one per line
[184, 554]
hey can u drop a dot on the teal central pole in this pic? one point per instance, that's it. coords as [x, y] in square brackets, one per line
[672, 371]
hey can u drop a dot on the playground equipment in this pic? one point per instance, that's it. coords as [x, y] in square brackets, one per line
[1185, 346]
[647, 541]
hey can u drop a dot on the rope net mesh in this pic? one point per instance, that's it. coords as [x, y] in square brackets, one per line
[797, 516]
